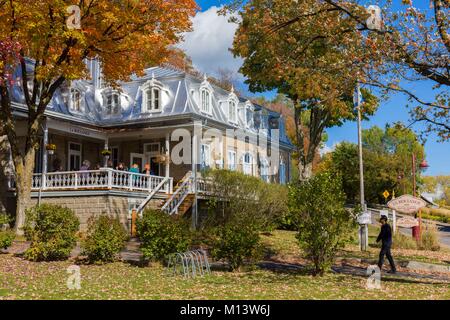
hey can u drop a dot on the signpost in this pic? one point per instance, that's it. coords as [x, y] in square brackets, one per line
[407, 222]
[406, 204]
[385, 195]
[365, 218]
[409, 205]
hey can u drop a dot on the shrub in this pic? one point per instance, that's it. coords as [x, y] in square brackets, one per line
[401, 241]
[429, 239]
[104, 239]
[324, 224]
[162, 234]
[242, 194]
[6, 239]
[52, 231]
[438, 212]
[235, 242]
[243, 206]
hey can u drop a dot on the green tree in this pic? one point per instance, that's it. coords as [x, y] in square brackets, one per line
[324, 225]
[387, 156]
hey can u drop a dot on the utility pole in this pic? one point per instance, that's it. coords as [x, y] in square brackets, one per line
[363, 230]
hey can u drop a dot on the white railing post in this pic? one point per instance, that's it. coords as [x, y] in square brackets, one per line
[130, 180]
[43, 181]
[170, 186]
[76, 180]
[110, 176]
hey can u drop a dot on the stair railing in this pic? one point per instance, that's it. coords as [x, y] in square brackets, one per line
[173, 203]
[151, 195]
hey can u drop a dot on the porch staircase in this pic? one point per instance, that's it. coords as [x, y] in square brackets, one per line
[182, 199]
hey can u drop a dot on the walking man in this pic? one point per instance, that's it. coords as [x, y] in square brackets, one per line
[385, 237]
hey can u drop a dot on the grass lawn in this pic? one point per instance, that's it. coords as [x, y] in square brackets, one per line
[20, 279]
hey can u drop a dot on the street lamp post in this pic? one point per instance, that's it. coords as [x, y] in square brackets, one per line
[363, 230]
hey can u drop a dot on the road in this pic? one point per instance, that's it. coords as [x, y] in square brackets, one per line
[443, 228]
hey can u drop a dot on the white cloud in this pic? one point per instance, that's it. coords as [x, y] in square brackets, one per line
[326, 149]
[209, 42]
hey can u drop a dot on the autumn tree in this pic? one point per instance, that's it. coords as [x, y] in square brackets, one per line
[409, 45]
[413, 46]
[47, 41]
[318, 76]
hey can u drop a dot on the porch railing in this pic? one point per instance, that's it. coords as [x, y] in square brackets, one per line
[104, 178]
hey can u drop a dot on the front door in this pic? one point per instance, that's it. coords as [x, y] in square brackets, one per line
[139, 159]
[154, 166]
[74, 156]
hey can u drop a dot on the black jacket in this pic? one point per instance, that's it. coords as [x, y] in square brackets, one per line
[385, 235]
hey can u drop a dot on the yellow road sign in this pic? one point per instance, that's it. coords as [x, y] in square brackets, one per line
[386, 194]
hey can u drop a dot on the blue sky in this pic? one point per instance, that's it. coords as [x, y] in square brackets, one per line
[212, 36]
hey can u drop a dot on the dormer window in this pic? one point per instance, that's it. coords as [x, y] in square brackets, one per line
[75, 103]
[112, 105]
[152, 93]
[232, 111]
[205, 102]
[153, 99]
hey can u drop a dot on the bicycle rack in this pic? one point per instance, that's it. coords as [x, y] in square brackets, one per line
[189, 264]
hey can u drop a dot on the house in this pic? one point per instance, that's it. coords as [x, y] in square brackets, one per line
[173, 123]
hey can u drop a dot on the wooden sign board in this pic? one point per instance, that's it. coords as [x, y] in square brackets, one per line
[406, 204]
[407, 222]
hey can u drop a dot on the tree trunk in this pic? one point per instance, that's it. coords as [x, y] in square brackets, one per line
[24, 176]
[305, 170]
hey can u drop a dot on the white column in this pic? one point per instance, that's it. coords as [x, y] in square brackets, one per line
[105, 161]
[196, 136]
[167, 155]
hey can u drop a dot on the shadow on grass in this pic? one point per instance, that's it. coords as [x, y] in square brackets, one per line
[399, 277]
[283, 267]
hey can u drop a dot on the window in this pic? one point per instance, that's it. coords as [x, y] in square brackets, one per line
[112, 103]
[231, 160]
[75, 100]
[153, 147]
[205, 154]
[265, 170]
[282, 173]
[153, 99]
[248, 164]
[232, 111]
[205, 100]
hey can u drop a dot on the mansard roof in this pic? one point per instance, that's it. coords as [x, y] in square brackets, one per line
[180, 97]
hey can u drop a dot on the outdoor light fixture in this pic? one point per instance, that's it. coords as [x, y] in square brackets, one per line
[424, 165]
